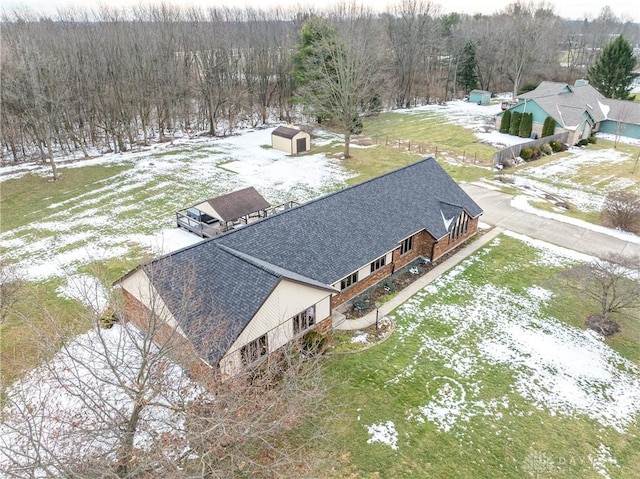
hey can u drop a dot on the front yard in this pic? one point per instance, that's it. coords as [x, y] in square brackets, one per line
[490, 374]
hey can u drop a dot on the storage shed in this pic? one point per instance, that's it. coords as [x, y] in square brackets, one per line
[481, 97]
[290, 140]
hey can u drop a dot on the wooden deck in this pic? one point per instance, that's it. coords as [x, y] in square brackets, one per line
[209, 230]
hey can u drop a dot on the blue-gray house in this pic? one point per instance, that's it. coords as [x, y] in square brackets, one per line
[579, 109]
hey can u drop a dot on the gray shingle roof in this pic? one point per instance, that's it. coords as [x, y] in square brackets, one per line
[621, 110]
[215, 288]
[568, 107]
[285, 132]
[211, 293]
[332, 236]
[567, 104]
[546, 88]
[239, 203]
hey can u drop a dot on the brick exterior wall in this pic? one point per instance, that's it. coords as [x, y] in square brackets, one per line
[323, 326]
[178, 348]
[443, 246]
[424, 245]
[358, 287]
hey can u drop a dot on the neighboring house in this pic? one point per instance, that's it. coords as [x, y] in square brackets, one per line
[481, 97]
[216, 215]
[579, 109]
[244, 294]
[290, 140]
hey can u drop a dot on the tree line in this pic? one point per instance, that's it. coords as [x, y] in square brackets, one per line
[115, 79]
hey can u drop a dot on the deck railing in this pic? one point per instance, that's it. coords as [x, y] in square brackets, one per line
[187, 222]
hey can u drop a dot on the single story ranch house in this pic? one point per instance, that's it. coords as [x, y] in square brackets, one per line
[242, 295]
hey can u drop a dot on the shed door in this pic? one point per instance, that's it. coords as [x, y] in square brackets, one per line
[301, 145]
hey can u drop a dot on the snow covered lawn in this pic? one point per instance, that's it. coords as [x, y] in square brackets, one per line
[73, 405]
[485, 371]
[135, 208]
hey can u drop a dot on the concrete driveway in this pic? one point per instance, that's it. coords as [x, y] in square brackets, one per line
[498, 212]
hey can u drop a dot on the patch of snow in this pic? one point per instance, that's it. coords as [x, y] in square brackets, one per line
[521, 202]
[553, 255]
[360, 337]
[89, 386]
[135, 207]
[466, 114]
[602, 460]
[167, 241]
[500, 140]
[556, 367]
[621, 139]
[536, 292]
[86, 289]
[384, 433]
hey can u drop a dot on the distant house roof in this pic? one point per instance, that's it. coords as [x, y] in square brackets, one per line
[285, 132]
[239, 203]
[567, 104]
[229, 277]
[621, 110]
[481, 92]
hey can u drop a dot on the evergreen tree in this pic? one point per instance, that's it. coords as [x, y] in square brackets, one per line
[548, 127]
[467, 76]
[526, 125]
[318, 38]
[613, 72]
[506, 121]
[514, 127]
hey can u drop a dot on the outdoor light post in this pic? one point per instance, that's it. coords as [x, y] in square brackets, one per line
[377, 306]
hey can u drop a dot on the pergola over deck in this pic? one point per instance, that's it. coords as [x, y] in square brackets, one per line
[222, 213]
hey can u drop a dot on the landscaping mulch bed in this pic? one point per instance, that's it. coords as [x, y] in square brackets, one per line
[380, 293]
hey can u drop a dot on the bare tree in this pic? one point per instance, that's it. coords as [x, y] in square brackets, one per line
[341, 73]
[613, 282]
[11, 289]
[115, 403]
[621, 210]
[530, 32]
[409, 33]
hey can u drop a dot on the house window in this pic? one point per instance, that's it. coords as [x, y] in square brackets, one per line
[304, 320]
[406, 245]
[379, 263]
[254, 350]
[349, 280]
[460, 227]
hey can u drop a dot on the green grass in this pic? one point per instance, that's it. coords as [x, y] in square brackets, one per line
[499, 445]
[588, 216]
[431, 129]
[40, 309]
[27, 199]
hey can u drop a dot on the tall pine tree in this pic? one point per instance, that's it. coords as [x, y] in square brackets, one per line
[612, 73]
[466, 75]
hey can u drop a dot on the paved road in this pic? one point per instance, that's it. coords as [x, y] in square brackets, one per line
[498, 212]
